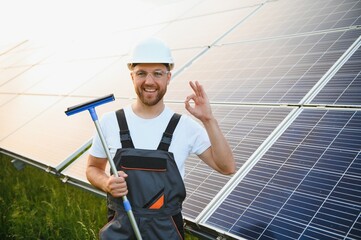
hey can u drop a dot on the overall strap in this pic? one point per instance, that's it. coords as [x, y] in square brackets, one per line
[168, 133]
[124, 130]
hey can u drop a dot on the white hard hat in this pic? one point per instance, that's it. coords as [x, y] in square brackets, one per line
[151, 50]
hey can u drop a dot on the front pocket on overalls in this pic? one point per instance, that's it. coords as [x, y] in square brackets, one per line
[145, 181]
[157, 202]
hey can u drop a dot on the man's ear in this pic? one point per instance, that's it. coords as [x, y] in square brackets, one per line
[169, 77]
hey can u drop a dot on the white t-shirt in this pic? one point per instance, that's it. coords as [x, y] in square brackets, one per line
[189, 136]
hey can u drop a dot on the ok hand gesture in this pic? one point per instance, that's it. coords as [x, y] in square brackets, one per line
[201, 108]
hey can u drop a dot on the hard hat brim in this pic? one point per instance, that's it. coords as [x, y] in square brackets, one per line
[131, 65]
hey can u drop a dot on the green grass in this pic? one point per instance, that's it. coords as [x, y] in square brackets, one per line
[37, 205]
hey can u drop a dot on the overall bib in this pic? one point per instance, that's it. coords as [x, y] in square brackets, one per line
[155, 189]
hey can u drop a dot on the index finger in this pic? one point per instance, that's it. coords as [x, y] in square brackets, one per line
[197, 88]
[193, 86]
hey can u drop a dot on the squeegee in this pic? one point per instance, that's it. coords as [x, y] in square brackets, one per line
[90, 106]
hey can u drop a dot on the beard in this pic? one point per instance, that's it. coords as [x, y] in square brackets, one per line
[153, 100]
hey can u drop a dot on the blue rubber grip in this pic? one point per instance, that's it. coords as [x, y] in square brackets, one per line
[127, 205]
[93, 113]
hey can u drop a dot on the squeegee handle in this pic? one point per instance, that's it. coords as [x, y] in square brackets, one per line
[90, 106]
[126, 202]
[102, 139]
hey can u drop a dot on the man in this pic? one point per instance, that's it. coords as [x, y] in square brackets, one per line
[151, 144]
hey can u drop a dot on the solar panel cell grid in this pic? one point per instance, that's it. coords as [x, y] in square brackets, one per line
[195, 26]
[7, 46]
[4, 98]
[317, 234]
[313, 186]
[23, 108]
[67, 77]
[345, 87]
[334, 219]
[349, 189]
[353, 170]
[213, 7]
[280, 18]
[335, 160]
[356, 230]
[300, 208]
[283, 73]
[282, 230]
[25, 54]
[8, 74]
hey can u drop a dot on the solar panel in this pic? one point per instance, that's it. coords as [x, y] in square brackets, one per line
[270, 71]
[159, 12]
[345, 87]
[114, 79]
[306, 185]
[4, 98]
[19, 60]
[67, 77]
[8, 74]
[7, 46]
[20, 110]
[213, 7]
[190, 31]
[24, 54]
[28, 77]
[24, 132]
[281, 18]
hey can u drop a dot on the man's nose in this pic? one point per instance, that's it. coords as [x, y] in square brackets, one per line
[149, 77]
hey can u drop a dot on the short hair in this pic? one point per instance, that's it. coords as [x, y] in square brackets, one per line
[165, 64]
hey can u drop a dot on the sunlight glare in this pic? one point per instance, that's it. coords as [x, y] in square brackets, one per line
[67, 19]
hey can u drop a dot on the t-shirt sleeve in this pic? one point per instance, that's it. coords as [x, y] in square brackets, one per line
[96, 148]
[198, 135]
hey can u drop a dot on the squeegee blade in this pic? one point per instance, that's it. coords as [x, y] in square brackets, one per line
[90, 104]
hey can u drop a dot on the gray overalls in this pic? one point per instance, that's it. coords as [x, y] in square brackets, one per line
[155, 189]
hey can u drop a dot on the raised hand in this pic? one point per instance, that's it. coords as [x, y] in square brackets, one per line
[201, 108]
